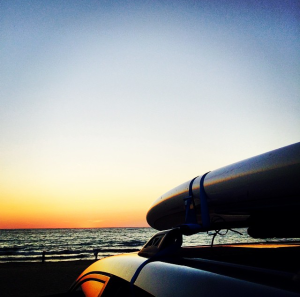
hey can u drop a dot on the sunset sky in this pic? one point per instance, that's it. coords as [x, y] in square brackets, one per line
[106, 105]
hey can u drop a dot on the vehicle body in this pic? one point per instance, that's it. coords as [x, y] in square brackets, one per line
[228, 270]
[261, 193]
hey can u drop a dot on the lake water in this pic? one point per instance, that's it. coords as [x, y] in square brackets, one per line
[74, 244]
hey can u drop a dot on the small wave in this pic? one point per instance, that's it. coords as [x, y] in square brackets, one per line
[14, 248]
[47, 258]
[112, 250]
[132, 243]
[78, 256]
[9, 250]
[62, 252]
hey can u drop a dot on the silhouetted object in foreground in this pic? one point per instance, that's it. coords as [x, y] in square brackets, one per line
[43, 256]
[96, 254]
[261, 194]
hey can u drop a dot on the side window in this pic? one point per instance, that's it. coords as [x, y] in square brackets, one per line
[92, 285]
[96, 284]
[92, 288]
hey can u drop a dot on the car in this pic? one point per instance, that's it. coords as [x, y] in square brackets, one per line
[261, 194]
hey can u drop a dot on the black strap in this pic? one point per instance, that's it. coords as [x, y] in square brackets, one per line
[190, 209]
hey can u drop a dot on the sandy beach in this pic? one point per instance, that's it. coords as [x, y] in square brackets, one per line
[39, 279]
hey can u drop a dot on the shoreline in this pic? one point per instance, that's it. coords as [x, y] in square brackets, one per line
[36, 279]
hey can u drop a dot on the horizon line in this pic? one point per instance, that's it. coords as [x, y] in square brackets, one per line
[73, 228]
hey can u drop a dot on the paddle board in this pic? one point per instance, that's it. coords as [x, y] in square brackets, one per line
[262, 193]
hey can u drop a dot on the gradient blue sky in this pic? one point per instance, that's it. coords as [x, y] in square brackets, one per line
[105, 105]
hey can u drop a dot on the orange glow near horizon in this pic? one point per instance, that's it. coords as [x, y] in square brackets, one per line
[51, 209]
[48, 222]
[19, 215]
[39, 196]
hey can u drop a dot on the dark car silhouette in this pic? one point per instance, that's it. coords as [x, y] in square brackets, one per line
[261, 194]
